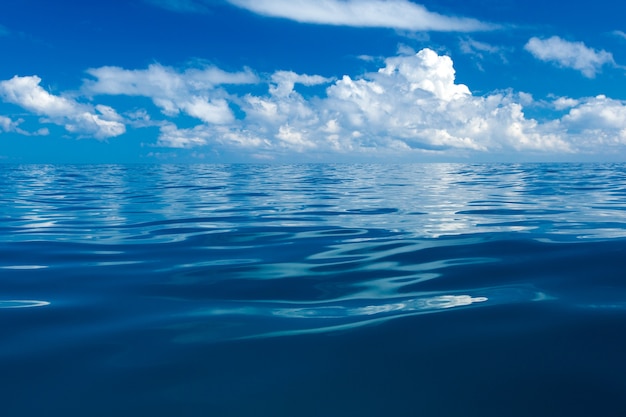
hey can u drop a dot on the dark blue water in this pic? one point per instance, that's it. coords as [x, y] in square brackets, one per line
[313, 290]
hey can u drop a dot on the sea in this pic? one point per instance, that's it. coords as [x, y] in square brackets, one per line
[313, 290]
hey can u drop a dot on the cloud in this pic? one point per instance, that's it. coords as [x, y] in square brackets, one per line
[410, 107]
[100, 122]
[562, 103]
[193, 91]
[173, 137]
[472, 47]
[7, 125]
[598, 112]
[481, 50]
[4, 31]
[396, 14]
[567, 54]
[283, 82]
[12, 126]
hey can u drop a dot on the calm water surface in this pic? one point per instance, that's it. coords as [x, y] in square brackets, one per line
[313, 290]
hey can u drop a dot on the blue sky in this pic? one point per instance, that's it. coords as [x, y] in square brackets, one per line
[312, 80]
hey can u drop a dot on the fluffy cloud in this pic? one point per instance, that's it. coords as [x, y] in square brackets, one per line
[411, 106]
[575, 55]
[192, 92]
[599, 117]
[397, 14]
[100, 122]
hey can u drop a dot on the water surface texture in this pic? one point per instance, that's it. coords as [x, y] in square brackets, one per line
[313, 290]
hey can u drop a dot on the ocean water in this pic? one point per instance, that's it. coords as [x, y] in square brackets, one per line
[313, 290]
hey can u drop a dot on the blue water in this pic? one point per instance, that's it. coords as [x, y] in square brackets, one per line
[313, 290]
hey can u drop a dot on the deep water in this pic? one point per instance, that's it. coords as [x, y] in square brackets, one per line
[427, 290]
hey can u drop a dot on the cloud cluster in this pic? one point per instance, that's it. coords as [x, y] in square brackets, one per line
[411, 106]
[575, 55]
[98, 121]
[192, 92]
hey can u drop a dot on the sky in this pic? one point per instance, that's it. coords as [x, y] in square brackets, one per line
[283, 81]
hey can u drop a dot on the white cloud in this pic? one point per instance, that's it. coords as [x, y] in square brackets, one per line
[4, 31]
[396, 14]
[285, 81]
[481, 50]
[598, 112]
[473, 47]
[172, 137]
[192, 91]
[575, 55]
[100, 122]
[411, 106]
[8, 125]
[597, 122]
[562, 103]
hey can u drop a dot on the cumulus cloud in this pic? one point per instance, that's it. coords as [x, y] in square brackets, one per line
[192, 91]
[396, 14]
[412, 103]
[411, 106]
[575, 55]
[100, 122]
[599, 117]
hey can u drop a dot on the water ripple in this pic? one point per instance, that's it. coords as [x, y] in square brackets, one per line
[22, 303]
[269, 249]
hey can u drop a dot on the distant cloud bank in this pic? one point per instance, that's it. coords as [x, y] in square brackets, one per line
[411, 105]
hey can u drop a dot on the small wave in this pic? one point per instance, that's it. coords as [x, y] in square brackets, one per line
[23, 267]
[22, 303]
[254, 320]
